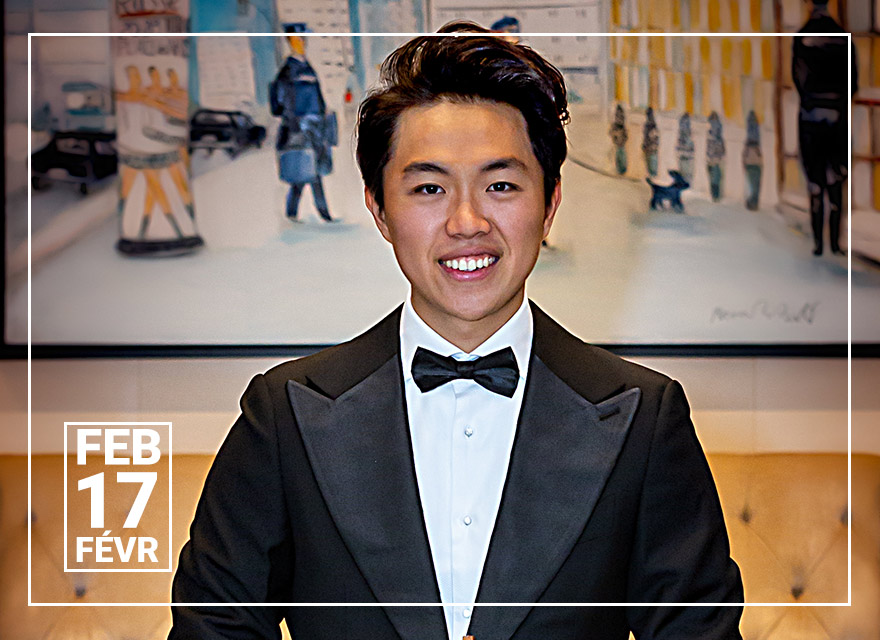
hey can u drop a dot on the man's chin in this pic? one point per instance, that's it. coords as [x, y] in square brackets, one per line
[483, 311]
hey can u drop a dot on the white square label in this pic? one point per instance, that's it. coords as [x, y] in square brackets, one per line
[117, 496]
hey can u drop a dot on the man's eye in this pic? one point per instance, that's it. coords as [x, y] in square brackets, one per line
[502, 186]
[429, 189]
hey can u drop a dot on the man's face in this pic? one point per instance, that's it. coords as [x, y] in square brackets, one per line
[465, 213]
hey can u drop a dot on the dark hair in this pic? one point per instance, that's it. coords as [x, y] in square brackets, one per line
[466, 67]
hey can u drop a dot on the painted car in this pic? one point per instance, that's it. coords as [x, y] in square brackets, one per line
[233, 131]
[78, 157]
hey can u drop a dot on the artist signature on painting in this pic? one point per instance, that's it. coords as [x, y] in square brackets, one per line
[767, 310]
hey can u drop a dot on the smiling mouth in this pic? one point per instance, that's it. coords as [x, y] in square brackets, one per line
[469, 263]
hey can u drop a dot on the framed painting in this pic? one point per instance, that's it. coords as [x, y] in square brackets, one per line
[201, 195]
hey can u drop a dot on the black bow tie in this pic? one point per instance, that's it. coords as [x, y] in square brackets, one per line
[496, 372]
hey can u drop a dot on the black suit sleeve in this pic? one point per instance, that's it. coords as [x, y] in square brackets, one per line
[239, 547]
[682, 553]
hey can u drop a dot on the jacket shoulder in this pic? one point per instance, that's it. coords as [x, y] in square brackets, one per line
[334, 370]
[594, 372]
[636, 374]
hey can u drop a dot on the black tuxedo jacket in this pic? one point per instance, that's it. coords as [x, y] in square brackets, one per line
[313, 499]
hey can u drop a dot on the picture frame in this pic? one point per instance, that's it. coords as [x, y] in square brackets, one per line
[568, 279]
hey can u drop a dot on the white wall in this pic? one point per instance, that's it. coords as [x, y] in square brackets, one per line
[739, 404]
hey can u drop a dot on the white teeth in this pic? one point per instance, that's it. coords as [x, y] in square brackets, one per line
[469, 264]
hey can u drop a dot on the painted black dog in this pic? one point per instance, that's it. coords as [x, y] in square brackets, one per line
[670, 193]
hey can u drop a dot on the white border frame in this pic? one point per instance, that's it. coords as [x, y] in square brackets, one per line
[848, 603]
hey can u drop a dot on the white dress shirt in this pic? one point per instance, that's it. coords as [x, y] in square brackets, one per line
[462, 435]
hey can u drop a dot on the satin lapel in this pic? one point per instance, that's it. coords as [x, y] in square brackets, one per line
[359, 447]
[564, 451]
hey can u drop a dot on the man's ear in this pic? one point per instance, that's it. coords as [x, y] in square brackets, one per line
[550, 211]
[378, 213]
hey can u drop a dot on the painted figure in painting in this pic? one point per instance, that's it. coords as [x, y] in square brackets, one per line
[817, 68]
[619, 136]
[307, 131]
[153, 163]
[685, 147]
[715, 153]
[507, 24]
[650, 142]
[753, 161]
[178, 97]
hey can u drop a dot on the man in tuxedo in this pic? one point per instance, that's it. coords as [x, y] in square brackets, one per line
[466, 449]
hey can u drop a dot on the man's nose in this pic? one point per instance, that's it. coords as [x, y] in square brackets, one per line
[466, 219]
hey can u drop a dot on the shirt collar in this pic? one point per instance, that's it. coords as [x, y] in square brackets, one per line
[516, 333]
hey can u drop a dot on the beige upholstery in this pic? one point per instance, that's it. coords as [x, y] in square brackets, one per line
[786, 514]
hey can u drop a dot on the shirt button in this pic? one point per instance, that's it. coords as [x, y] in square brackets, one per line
[467, 521]
[466, 613]
[468, 431]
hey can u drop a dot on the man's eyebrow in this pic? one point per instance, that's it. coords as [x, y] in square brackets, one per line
[424, 167]
[505, 163]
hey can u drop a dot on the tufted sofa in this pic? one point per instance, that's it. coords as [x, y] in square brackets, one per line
[786, 514]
